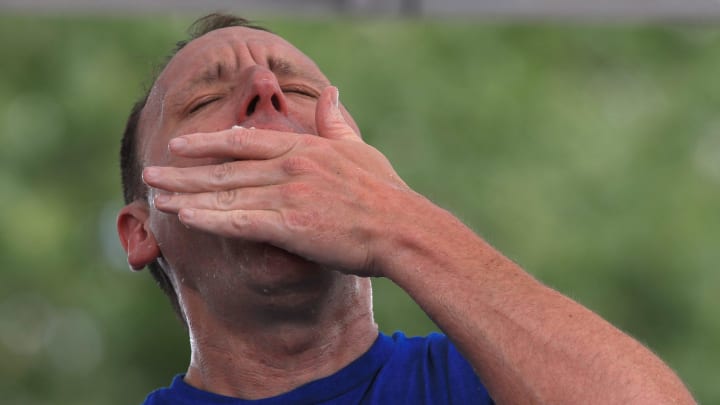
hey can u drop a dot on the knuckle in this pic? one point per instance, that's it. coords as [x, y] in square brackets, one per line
[292, 191]
[299, 220]
[222, 172]
[238, 141]
[225, 198]
[298, 165]
[240, 220]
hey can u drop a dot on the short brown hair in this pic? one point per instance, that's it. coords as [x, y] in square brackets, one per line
[130, 166]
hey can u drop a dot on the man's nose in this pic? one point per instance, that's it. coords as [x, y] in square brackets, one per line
[263, 96]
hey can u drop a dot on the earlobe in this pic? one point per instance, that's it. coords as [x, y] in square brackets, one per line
[137, 240]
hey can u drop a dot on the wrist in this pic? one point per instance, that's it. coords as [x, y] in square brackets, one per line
[424, 237]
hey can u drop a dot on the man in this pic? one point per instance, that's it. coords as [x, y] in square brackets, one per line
[263, 214]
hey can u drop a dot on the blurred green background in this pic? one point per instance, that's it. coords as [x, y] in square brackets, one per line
[588, 154]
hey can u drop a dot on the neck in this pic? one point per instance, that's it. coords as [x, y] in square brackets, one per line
[258, 358]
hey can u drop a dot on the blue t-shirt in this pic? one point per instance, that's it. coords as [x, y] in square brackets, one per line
[396, 370]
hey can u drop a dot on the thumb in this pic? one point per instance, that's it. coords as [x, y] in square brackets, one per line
[329, 119]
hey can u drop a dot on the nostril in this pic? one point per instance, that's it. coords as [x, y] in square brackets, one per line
[275, 102]
[253, 104]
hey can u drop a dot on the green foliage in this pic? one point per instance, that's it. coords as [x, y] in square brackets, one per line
[590, 155]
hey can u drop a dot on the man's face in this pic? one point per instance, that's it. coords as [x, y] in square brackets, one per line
[231, 76]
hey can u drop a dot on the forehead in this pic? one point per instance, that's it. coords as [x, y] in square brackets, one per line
[233, 47]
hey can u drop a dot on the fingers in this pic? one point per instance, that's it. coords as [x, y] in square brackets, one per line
[223, 176]
[253, 225]
[329, 118]
[235, 143]
[249, 198]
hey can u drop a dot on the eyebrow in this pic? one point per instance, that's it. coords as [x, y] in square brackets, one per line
[280, 66]
[284, 68]
[212, 74]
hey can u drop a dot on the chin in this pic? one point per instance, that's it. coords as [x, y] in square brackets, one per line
[268, 282]
[279, 272]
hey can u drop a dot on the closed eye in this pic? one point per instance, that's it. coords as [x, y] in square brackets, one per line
[303, 91]
[202, 104]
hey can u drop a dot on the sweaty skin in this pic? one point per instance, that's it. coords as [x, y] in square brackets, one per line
[268, 233]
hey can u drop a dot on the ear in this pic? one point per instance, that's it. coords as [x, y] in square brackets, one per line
[137, 240]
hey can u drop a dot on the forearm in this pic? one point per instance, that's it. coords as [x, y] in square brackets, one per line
[528, 343]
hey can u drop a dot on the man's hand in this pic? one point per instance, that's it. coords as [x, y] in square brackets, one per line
[337, 201]
[327, 198]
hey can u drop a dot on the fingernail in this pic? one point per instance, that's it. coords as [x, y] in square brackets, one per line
[237, 127]
[187, 213]
[336, 112]
[162, 199]
[178, 143]
[150, 173]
